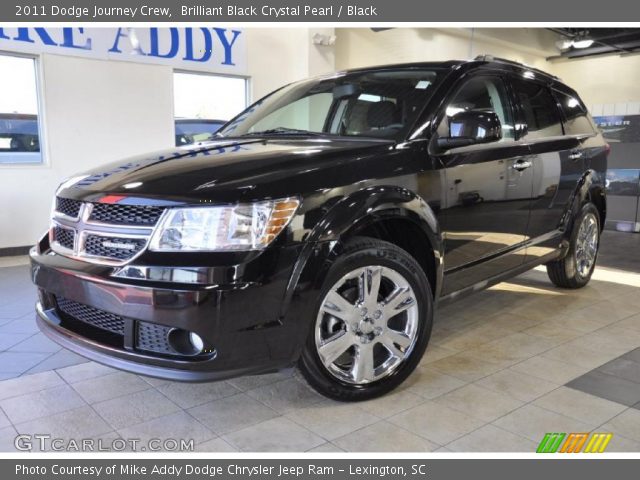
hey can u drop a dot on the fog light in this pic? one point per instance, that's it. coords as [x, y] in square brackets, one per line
[196, 341]
[185, 342]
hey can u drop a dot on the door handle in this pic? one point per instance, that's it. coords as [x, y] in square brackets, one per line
[521, 165]
[575, 155]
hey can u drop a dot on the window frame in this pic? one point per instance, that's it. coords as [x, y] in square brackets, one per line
[522, 127]
[174, 71]
[567, 93]
[458, 86]
[41, 114]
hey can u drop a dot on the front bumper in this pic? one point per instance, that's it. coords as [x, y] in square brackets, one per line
[241, 321]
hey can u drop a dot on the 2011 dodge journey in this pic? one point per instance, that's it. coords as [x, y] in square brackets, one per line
[322, 226]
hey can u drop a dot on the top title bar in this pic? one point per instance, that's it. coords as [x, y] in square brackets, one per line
[334, 11]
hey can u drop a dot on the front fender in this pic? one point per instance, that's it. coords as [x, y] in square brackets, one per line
[342, 220]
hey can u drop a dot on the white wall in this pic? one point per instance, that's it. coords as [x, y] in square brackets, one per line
[606, 79]
[359, 47]
[279, 56]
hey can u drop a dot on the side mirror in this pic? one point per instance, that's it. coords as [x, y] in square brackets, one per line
[472, 127]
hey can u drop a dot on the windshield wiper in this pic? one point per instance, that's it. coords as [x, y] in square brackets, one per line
[283, 131]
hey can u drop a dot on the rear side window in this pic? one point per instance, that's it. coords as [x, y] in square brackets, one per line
[539, 108]
[577, 120]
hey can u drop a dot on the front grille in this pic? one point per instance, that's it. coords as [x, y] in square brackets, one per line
[139, 215]
[92, 316]
[68, 207]
[116, 248]
[64, 237]
[152, 337]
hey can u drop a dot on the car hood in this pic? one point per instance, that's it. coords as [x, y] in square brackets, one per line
[230, 169]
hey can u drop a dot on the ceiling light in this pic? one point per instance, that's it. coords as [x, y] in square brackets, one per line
[583, 43]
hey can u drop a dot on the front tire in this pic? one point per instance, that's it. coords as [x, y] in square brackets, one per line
[576, 268]
[373, 321]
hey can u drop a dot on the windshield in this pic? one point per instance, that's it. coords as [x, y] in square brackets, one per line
[382, 104]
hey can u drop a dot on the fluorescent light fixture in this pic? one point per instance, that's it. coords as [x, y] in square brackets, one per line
[584, 43]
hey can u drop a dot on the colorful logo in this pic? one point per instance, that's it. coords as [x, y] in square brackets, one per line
[574, 443]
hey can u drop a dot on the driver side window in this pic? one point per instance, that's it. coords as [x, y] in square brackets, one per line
[481, 94]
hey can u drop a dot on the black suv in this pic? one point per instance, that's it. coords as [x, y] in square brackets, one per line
[324, 224]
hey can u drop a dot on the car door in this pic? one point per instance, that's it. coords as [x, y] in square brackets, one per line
[557, 163]
[487, 191]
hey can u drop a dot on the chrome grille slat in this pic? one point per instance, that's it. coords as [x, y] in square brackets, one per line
[104, 233]
[142, 215]
[64, 236]
[68, 207]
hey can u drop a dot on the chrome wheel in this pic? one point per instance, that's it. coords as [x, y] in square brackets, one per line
[367, 324]
[587, 244]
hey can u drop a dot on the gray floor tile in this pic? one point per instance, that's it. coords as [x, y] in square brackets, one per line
[479, 402]
[275, 435]
[331, 419]
[492, 439]
[41, 404]
[608, 387]
[82, 422]
[179, 426]
[286, 395]
[436, 422]
[255, 381]
[626, 424]
[187, 395]
[217, 445]
[633, 355]
[326, 448]
[7, 439]
[25, 325]
[580, 405]
[232, 413]
[623, 368]
[135, 408]
[84, 371]
[20, 362]
[9, 340]
[37, 343]
[98, 389]
[29, 383]
[4, 420]
[61, 359]
[384, 437]
[533, 422]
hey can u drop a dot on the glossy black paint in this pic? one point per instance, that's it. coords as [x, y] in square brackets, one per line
[471, 215]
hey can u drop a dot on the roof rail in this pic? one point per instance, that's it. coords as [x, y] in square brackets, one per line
[491, 58]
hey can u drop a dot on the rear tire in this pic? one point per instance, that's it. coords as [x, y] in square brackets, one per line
[373, 322]
[575, 269]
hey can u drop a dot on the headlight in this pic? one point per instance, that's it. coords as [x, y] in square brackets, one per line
[241, 227]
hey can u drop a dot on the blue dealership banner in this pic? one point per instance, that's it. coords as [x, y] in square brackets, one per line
[208, 48]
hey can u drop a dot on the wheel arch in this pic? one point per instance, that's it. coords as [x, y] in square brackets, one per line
[383, 212]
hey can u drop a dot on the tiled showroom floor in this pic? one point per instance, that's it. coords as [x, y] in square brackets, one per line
[504, 367]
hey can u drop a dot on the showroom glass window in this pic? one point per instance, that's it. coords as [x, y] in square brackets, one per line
[19, 119]
[203, 103]
[539, 108]
[483, 93]
[382, 104]
[577, 121]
